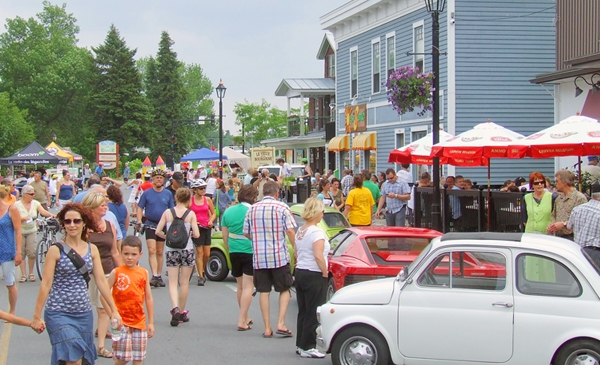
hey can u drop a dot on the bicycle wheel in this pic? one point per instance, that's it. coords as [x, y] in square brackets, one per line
[40, 255]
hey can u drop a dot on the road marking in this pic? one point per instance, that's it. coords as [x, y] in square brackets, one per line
[230, 286]
[4, 340]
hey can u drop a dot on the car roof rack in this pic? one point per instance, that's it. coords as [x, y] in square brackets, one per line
[482, 236]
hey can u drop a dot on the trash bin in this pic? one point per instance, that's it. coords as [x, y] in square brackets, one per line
[303, 189]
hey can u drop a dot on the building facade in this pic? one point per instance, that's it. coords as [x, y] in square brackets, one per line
[490, 51]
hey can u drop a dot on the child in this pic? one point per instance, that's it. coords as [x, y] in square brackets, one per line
[130, 289]
[52, 190]
[11, 318]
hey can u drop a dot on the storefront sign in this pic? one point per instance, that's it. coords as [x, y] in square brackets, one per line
[355, 117]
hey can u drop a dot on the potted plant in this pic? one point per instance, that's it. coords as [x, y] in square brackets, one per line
[409, 88]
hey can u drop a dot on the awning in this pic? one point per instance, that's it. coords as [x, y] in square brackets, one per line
[365, 141]
[339, 144]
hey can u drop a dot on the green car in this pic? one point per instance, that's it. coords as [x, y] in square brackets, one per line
[218, 265]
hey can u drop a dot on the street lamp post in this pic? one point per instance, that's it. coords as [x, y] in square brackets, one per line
[221, 94]
[435, 7]
[243, 138]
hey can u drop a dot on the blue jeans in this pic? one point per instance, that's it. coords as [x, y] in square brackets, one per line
[397, 219]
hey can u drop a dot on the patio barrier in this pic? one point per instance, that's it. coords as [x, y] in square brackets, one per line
[471, 210]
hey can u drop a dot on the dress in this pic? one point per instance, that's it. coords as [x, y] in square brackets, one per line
[133, 197]
[68, 313]
[8, 248]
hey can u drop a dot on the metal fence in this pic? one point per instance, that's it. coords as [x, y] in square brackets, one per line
[471, 210]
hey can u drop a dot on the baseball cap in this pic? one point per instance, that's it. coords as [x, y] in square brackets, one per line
[591, 158]
[178, 176]
[304, 160]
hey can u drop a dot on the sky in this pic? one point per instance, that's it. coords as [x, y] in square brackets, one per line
[252, 45]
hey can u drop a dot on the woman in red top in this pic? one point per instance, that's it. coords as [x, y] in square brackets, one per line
[205, 215]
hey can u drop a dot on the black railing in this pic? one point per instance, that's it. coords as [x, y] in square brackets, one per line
[471, 210]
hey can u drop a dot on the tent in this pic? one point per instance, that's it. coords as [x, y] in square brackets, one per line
[237, 157]
[33, 154]
[76, 157]
[202, 154]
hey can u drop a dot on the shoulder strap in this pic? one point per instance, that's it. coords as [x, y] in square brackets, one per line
[187, 211]
[76, 259]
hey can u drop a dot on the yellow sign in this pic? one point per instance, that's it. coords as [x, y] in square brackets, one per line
[356, 118]
[262, 156]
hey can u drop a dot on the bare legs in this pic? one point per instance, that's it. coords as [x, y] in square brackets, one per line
[23, 266]
[202, 256]
[284, 301]
[245, 286]
[152, 256]
[12, 298]
[102, 326]
[179, 297]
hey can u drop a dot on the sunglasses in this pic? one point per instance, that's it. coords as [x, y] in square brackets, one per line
[32, 194]
[539, 182]
[68, 222]
[202, 188]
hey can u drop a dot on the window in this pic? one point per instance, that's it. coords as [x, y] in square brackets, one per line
[353, 73]
[466, 270]
[341, 241]
[394, 251]
[376, 67]
[335, 220]
[539, 275]
[418, 47]
[391, 55]
[399, 140]
[331, 65]
[417, 135]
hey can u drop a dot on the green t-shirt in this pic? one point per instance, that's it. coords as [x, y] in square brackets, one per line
[374, 189]
[233, 219]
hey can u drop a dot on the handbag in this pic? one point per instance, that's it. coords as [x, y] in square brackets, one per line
[217, 212]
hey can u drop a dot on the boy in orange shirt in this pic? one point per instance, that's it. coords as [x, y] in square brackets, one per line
[130, 289]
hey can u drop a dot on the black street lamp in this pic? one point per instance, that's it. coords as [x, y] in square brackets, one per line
[221, 94]
[435, 7]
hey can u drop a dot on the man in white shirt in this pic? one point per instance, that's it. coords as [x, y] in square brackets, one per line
[211, 184]
[592, 168]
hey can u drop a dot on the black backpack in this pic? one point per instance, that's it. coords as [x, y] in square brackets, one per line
[177, 234]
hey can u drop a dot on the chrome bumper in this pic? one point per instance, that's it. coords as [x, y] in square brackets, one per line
[321, 344]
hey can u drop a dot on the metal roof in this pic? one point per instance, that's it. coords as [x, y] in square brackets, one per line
[307, 87]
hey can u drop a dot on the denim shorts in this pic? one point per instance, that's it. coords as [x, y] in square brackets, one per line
[8, 268]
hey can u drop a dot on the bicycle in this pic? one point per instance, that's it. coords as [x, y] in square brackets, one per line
[136, 232]
[48, 227]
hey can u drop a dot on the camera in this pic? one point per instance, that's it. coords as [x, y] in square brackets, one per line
[264, 176]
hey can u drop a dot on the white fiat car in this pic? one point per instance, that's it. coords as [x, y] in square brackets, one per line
[472, 298]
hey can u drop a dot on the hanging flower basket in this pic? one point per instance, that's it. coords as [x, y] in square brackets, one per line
[409, 89]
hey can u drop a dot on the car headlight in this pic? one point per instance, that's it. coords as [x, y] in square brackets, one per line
[319, 314]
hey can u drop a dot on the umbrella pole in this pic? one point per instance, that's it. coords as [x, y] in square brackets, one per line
[579, 169]
[488, 195]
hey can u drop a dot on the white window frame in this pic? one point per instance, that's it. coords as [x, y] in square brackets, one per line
[387, 53]
[331, 65]
[416, 25]
[375, 89]
[352, 50]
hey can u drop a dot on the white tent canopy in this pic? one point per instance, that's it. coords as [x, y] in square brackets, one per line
[238, 157]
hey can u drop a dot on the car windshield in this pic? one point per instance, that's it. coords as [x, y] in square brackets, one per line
[335, 220]
[297, 171]
[410, 268]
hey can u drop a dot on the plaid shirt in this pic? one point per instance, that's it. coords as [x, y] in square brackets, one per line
[266, 222]
[346, 183]
[394, 205]
[563, 206]
[585, 222]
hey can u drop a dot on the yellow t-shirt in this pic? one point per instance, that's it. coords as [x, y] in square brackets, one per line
[361, 206]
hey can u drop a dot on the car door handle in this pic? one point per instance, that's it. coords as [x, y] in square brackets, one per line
[500, 304]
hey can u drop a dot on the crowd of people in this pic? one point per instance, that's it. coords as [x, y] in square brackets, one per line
[256, 229]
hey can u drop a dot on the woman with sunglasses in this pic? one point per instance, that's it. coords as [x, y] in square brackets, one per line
[70, 323]
[65, 188]
[537, 206]
[205, 216]
[29, 209]
[104, 238]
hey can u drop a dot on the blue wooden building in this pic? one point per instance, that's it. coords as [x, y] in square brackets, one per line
[493, 48]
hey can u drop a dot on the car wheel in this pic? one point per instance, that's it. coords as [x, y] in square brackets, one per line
[216, 268]
[330, 288]
[359, 345]
[579, 352]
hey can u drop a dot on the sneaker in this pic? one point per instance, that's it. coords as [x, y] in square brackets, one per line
[298, 350]
[154, 282]
[201, 281]
[314, 353]
[161, 283]
[184, 317]
[175, 317]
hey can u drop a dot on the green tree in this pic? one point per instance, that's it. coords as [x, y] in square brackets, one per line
[46, 74]
[122, 112]
[15, 132]
[197, 103]
[164, 89]
[260, 121]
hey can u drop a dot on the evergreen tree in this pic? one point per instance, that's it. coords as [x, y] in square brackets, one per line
[122, 113]
[166, 92]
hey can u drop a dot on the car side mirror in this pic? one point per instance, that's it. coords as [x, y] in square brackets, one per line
[402, 275]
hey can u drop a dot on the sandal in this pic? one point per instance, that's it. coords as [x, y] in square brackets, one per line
[31, 277]
[103, 352]
[23, 279]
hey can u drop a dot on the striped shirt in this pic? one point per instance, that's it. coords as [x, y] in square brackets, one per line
[267, 222]
[394, 205]
[585, 223]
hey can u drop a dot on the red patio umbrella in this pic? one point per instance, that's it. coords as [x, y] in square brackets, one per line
[419, 151]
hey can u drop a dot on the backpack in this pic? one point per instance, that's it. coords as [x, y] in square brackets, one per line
[177, 234]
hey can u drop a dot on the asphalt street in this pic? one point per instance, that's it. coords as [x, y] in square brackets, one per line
[211, 336]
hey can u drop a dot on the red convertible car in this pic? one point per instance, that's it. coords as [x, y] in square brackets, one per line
[367, 253]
